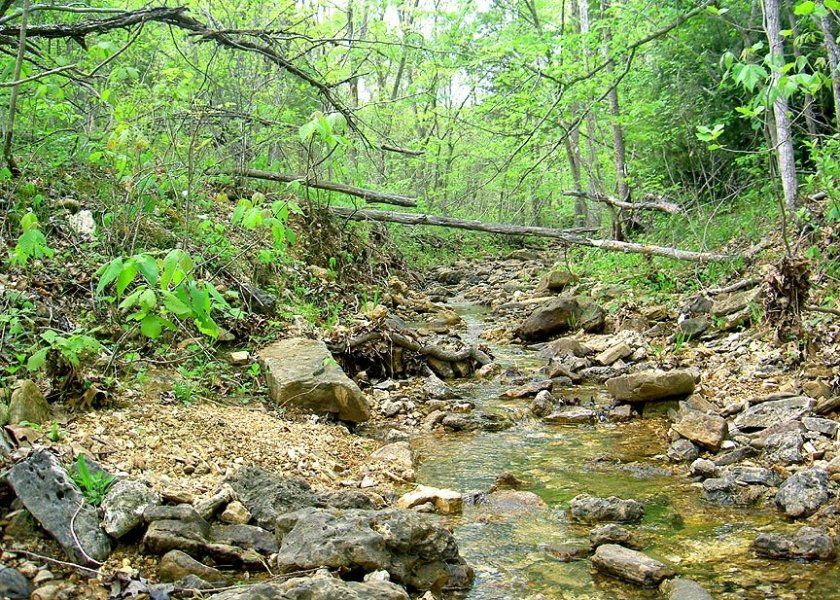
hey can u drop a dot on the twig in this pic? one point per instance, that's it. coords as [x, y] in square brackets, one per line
[822, 309]
[76, 539]
[63, 563]
[37, 76]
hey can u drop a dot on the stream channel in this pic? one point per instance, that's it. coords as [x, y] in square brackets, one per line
[512, 553]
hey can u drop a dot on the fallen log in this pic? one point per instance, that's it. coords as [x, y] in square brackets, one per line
[648, 202]
[565, 236]
[371, 196]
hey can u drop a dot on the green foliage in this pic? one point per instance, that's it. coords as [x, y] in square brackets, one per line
[73, 349]
[32, 244]
[94, 484]
[162, 291]
[254, 213]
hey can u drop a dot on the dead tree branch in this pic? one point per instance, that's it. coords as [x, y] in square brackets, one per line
[648, 202]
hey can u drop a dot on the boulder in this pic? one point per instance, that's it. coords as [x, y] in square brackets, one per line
[613, 353]
[809, 543]
[691, 328]
[727, 304]
[532, 388]
[725, 491]
[684, 589]
[703, 467]
[645, 386]
[302, 373]
[570, 415]
[509, 502]
[542, 404]
[765, 414]
[28, 404]
[176, 566]
[591, 509]
[630, 565]
[559, 315]
[803, 493]
[556, 281]
[611, 533]
[13, 584]
[175, 528]
[267, 495]
[397, 456]
[703, 429]
[235, 513]
[123, 506]
[446, 502]
[248, 537]
[682, 450]
[321, 586]
[413, 550]
[785, 447]
[51, 496]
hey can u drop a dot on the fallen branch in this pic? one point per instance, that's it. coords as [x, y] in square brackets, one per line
[738, 285]
[37, 76]
[565, 236]
[823, 309]
[367, 195]
[399, 150]
[649, 202]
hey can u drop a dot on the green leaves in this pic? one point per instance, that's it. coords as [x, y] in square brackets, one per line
[32, 244]
[749, 75]
[94, 484]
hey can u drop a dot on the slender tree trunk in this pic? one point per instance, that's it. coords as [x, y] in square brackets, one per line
[833, 53]
[784, 133]
[10, 122]
[593, 168]
[409, 21]
[808, 107]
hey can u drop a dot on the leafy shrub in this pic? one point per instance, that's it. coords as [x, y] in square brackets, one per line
[32, 243]
[94, 485]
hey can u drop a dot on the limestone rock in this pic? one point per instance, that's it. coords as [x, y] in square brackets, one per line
[706, 430]
[645, 386]
[446, 502]
[570, 415]
[591, 509]
[809, 543]
[613, 353]
[413, 550]
[803, 493]
[559, 315]
[611, 533]
[303, 374]
[630, 565]
[726, 304]
[684, 589]
[682, 450]
[765, 414]
[123, 506]
[320, 587]
[28, 404]
[176, 566]
[235, 513]
[48, 492]
[13, 584]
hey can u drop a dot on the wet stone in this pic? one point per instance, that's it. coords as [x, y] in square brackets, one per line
[808, 543]
[803, 493]
[612, 533]
[630, 565]
[682, 450]
[684, 589]
[590, 509]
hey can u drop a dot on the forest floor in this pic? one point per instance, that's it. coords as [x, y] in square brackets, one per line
[757, 418]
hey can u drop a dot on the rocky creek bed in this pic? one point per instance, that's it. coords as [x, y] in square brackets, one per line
[500, 435]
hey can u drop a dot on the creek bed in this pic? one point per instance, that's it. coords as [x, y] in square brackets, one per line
[511, 553]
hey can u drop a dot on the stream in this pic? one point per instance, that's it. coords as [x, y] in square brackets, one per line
[512, 553]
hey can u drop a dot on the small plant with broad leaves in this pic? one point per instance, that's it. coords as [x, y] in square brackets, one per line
[72, 350]
[161, 291]
[255, 213]
[94, 484]
[32, 243]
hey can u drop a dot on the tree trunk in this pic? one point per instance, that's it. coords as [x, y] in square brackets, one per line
[594, 183]
[8, 135]
[833, 53]
[784, 133]
[565, 236]
[808, 107]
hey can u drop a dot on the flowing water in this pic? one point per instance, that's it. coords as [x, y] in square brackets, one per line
[512, 554]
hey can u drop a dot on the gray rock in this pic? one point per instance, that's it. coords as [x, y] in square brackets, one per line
[765, 414]
[435, 388]
[177, 566]
[302, 373]
[735, 456]
[703, 429]
[249, 537]
[809, 543]
[630, 565]
[319, 587]
[542, 404]
[571, 415]
[13, 584]
[510, 502]
[175, 528]
[703, 467]
[785, 447]
[267, 495]
[726, 304]
[826, 427]
[568, 552]
[123, 506]
[46, 490]
[803, 493]
[413, 550]
[691, 328]
[590, 509]
[556, 281]
[753, 476]
[28, 404]
[646, 386]
[612, 533]
[685, 589]
[725, 491]
[682, 450]
[559, 315]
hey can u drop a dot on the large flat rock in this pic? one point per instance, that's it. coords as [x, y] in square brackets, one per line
[630, 565]
[47, 491]
[765, 414]
[654, 384]
[302, 374]
[558, 315]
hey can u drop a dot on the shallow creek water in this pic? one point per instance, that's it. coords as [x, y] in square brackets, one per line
[511, 553]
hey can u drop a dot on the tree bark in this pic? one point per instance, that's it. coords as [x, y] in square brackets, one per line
[784, 133]
[833, 53]
[8, 135]
[368, 195]
[566, 237]
[594, 181]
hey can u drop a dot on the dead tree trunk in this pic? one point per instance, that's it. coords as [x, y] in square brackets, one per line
[565, 236]
[368, 195]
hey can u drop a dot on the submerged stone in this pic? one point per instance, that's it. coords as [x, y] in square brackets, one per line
[630, 565]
